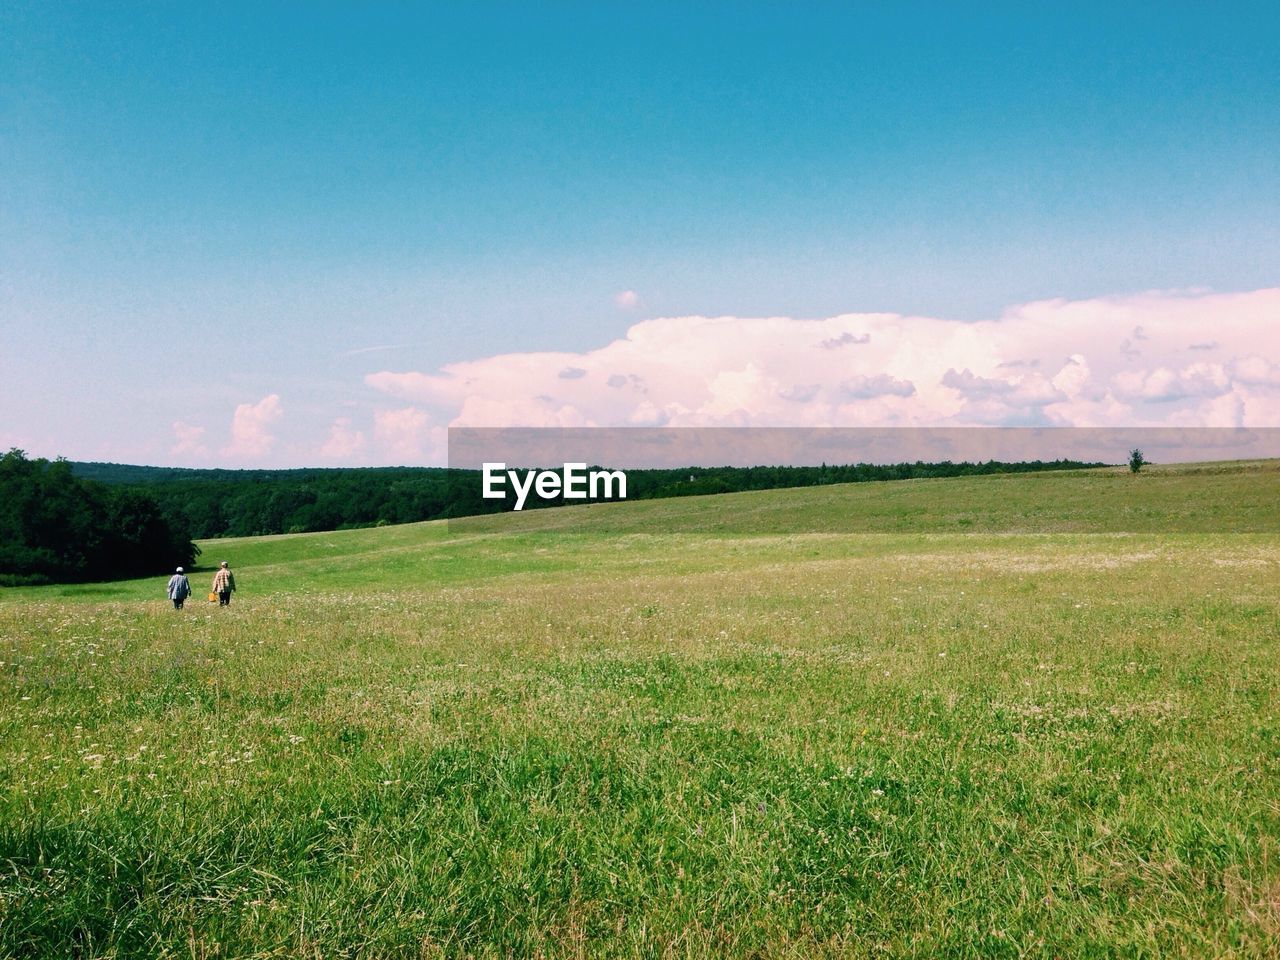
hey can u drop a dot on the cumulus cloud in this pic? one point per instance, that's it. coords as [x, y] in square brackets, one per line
[1099, 362]
[619, 380]
[967, 383]
[407, 435]
[627, 299]
[1163, 385]
[1256, 371]
[188, 440]
[801, 392]
[844, 340]
[1018, 400]
[880, 385]
[647, 415]
[344, 441]
[1074, 378]
[250, 428]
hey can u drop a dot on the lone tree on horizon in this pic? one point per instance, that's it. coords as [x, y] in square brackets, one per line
[1136, 460]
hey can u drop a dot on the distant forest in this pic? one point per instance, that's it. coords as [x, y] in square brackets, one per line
[234, 503]
[62, 521]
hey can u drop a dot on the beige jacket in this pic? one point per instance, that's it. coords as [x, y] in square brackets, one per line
[224, 581]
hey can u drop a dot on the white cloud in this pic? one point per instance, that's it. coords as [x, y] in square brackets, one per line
[1056, 362]
[407, 436]
[880, 385]
[1256, 371]
[1225, 410]
[344, 442]
[1073, 379]
[189, 440]
[627, 299]
[844, 340]
[801, 392]
[1162, 385]
[250, 433]
[648, 415]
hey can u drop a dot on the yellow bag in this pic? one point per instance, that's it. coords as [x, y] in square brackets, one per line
[213, 598]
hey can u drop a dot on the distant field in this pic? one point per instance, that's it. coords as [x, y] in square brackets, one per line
[1209, 498]
[998, 716]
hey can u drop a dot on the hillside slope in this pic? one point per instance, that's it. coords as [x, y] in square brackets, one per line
[1206, 499]
[1239, 496]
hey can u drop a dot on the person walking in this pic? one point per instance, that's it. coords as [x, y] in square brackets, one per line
[224, 584]
[179, 589]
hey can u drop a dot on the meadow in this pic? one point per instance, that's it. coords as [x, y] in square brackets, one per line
[1031, 716]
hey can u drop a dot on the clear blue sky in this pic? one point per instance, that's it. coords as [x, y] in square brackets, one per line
[203, 204]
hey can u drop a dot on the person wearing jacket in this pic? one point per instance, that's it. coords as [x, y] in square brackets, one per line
[224, 584]
[179, 589]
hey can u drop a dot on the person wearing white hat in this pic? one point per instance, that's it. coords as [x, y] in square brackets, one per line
[179, 589]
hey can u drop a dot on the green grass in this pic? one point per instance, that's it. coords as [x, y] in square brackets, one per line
[826, 722]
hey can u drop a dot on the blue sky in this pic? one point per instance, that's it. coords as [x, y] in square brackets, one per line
[201, 208]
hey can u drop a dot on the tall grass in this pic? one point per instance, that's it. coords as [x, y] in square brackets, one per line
[431, 741]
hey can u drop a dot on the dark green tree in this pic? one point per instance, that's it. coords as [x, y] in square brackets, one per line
[55, 526]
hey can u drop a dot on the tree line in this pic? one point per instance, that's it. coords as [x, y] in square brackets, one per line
[235, 503]
[58, 527]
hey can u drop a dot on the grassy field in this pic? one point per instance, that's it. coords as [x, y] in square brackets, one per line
[1025, 716]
